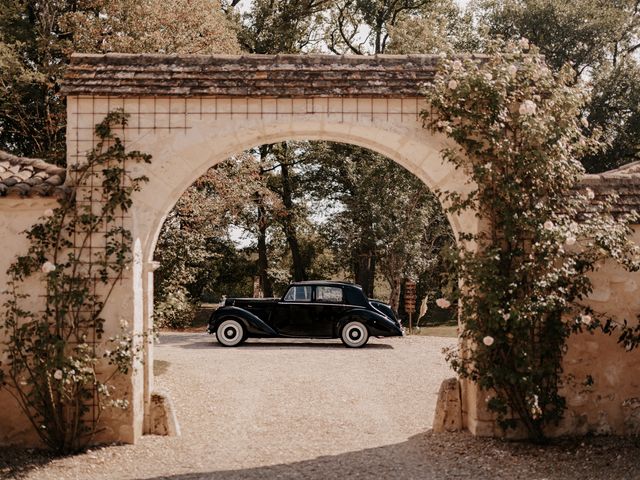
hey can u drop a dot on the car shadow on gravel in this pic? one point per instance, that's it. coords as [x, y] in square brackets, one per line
[204, 341]
[457, 456]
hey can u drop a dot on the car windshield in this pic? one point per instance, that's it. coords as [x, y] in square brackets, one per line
[298, 294]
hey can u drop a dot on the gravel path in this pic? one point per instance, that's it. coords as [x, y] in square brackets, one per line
[316, 410]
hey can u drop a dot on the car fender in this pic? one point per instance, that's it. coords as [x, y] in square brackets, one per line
[252, 323]
[376, 323]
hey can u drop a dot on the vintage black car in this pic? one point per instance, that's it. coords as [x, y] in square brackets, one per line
[313, 309]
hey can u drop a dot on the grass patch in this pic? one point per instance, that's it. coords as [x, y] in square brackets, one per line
[450, 331]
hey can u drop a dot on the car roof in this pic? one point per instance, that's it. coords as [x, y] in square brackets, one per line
[326, 282]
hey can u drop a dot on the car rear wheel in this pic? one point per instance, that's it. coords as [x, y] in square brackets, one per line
[230, 333]
[354, 335]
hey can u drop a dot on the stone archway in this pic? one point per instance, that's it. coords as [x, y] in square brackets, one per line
[191, 113]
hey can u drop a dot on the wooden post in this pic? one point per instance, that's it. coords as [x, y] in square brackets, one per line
[410, 301]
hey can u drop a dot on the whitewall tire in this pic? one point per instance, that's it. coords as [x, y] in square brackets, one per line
[230, 333]
[354, 335]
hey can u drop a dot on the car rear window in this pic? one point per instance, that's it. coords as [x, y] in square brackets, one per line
[329, 294]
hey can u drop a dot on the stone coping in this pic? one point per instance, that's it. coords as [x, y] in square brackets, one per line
[623, 182]
[290, 76]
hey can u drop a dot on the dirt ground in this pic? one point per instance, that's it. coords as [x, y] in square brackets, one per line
[275, 409]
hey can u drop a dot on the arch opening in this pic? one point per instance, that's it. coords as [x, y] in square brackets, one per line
[308, 350]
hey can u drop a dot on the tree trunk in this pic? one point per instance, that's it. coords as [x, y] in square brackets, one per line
[365, 269]
[288, 226]
[263, 262]
[263, 224]
[394, 298]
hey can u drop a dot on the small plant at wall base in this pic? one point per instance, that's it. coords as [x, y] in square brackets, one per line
[54, 367]
[519, 134]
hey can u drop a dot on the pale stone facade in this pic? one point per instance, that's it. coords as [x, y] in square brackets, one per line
[189, 123]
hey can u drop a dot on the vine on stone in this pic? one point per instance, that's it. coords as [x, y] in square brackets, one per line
[54, 367]
[519, 134]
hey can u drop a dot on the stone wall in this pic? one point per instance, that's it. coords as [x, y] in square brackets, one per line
[602, 380]
[611, 404]
[16, 215]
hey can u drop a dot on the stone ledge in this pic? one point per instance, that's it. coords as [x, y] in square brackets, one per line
[162, 416]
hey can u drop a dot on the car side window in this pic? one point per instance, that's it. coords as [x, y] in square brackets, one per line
[329, 294]
[298, 294]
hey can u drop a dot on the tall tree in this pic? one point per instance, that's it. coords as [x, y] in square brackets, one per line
[599, 39]
[383, 219]
[286, 156]
[281, 26]
[36, 39]
[367, 26]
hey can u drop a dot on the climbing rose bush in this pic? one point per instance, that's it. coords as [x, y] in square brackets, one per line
[519, 134]
[53, 362]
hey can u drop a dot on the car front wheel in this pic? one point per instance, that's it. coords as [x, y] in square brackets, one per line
[230, 333]
[354, 335]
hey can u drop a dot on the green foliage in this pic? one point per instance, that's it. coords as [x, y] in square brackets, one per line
[599, 40]
[524, 274]
[53, 360]
[336, 204]
[37, 38]
[413, 26]
[176, 310]
[281, 26]
[386, 222]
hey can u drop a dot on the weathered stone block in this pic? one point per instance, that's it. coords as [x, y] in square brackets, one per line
[448, 416]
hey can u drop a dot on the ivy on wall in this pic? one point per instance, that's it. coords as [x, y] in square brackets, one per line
[519, 130]
[58, 369]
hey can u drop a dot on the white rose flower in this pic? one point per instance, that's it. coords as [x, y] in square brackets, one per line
[570, 240]
[457, 65]
[48, 267]
[488, 77]
[506, 316]
[443, 303]
[590, 194]
[585, 122]
[448, 129]
[58, 375]
[548, 225]
[513, 70]
[524, 44]
[586, 319]
[453, 84]
[527, 107]
[488, 340]
[48, 212]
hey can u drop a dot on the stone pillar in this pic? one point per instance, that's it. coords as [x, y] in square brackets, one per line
[148, 340]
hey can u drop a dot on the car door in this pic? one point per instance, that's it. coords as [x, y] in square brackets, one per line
[293, 315]
[330, 307]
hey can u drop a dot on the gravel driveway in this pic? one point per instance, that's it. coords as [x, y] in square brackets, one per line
[316, 410]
